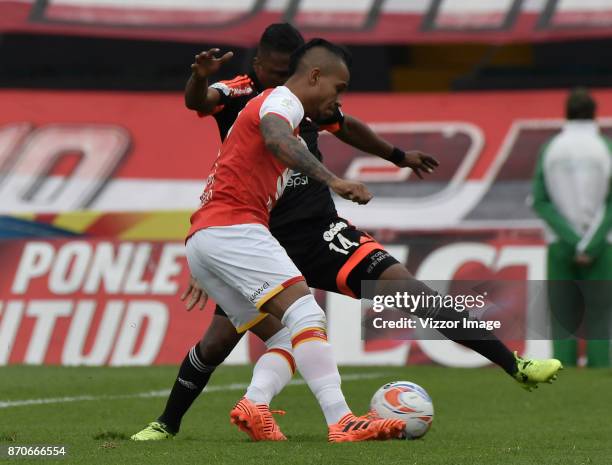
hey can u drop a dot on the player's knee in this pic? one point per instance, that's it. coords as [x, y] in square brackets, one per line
[280, 340]
[304, 313]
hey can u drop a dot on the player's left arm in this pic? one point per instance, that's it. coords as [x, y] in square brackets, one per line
[356, 133]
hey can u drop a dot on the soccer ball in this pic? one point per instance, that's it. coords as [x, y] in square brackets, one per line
[405, 401]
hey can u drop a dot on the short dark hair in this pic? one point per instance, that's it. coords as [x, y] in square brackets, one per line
[280, 37]
[338, 50]
[580, 104]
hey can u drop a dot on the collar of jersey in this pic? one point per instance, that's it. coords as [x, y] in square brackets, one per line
[581, 125]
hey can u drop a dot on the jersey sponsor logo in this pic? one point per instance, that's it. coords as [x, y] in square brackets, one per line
[333, 230]
[297, 179]
[259, 291]
[232, 90]
[342, 244]
[239, 91]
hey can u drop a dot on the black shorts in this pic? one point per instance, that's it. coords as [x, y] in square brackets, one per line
[335, 256]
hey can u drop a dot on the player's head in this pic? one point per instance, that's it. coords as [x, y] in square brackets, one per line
[580, 104]
[271, 63]
[320, 71]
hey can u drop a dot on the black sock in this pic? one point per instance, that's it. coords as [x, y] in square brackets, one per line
[192, 377]
[495, 350]
[481, 340]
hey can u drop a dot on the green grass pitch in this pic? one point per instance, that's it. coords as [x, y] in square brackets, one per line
[482, 417]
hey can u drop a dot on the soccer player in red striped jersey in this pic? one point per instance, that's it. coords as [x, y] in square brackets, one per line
[302, 220]
[233, 255]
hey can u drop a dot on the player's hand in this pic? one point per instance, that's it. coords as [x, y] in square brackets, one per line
[351, 190]
[419, 162]
[196, 294]
[206, 63]
[583, 259]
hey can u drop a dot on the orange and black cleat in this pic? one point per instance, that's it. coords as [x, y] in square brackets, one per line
[352, 429]
[257, 421]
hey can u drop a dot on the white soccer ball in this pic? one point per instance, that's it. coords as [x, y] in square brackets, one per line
[405, 401]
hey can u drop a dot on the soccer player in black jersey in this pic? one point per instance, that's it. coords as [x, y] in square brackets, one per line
[332, 254]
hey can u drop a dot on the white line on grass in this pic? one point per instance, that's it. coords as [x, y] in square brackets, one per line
[163, 392]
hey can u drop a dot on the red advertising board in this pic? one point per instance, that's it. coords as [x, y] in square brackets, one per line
[65, 151]
[103, 301]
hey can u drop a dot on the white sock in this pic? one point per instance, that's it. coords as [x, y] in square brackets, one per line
[273, 370]
[314, 357]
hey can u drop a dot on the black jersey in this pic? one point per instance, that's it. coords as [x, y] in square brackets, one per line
[235, 94]
[304, 199]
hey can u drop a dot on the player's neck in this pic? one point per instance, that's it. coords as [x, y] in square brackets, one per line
[294, 86]
[298, 90]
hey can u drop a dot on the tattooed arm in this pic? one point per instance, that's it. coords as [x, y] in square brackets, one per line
[280, 141]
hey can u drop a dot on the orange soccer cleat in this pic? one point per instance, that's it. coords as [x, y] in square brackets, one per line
[352, 429]
[257, 421]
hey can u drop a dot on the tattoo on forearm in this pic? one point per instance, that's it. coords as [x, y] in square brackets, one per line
[288, 149]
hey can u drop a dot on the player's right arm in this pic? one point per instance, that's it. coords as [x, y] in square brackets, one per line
[198, 95]
[280, 141]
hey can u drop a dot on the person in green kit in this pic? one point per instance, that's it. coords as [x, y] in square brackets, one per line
[572, 194]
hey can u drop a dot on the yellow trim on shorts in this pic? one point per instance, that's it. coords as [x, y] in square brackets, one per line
[251, 323]
[269, 295]
[288, 283]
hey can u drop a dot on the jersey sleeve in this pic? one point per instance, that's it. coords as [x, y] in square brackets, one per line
[285, 105]
[239, 86]
[225, 97]
[225, 92]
